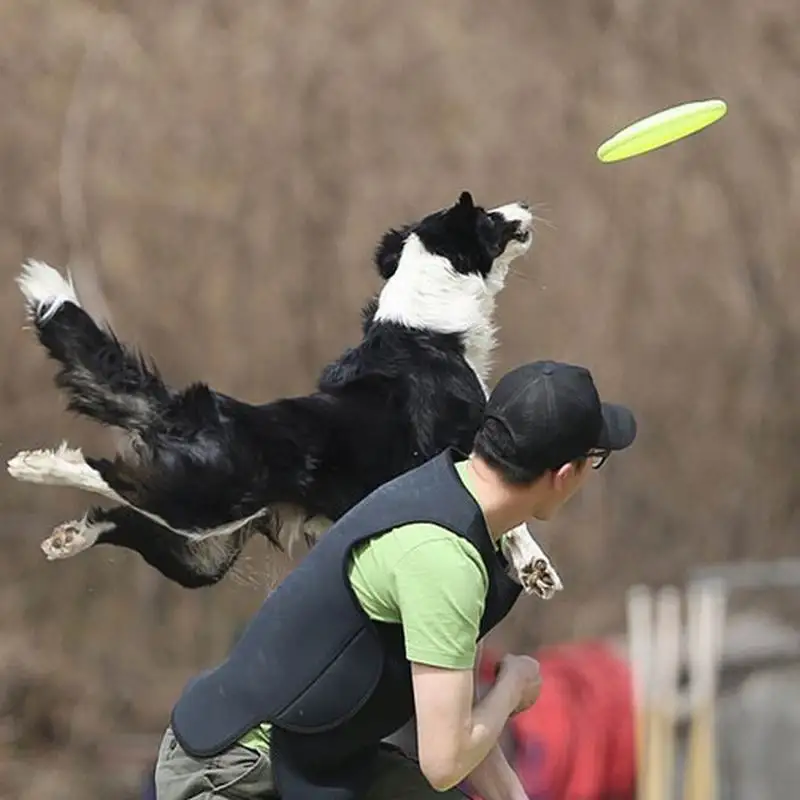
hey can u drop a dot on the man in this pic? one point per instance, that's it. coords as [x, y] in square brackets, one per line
[381, 622]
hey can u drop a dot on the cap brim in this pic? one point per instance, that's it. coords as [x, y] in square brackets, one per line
[619, 428]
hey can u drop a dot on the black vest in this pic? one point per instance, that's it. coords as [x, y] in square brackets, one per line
[331, 681]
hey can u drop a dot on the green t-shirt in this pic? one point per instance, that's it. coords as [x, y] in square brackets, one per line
[430, 581]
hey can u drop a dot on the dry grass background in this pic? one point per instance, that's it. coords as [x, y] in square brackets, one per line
[223, 170]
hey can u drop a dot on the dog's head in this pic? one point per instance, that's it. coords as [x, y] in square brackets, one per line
[443, 272]
[465, 239]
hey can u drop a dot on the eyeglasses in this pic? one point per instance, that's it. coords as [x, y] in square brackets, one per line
[598, 457]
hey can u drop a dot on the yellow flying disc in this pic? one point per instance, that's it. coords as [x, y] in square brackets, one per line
[661, 129]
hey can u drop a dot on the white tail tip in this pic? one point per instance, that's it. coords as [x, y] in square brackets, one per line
[45, 290]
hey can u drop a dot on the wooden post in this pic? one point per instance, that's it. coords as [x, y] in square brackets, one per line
[707, 603]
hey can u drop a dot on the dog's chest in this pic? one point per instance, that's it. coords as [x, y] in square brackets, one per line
[478, 347]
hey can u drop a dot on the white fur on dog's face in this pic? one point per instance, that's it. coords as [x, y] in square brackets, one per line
[513, 212]
[443, 273]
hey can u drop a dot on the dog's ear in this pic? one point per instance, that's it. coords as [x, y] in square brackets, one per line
[465, 201]
[387, 254]
[464, 211]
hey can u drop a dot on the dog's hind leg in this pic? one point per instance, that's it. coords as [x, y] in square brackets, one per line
[104, 380]
[192, 564]
[64, 466]
[67, 467]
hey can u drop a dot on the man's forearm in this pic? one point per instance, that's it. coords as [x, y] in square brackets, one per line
[495, 779]
[455, 734]
[489, 717]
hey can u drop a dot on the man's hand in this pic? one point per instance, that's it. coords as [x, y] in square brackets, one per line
[524, 671]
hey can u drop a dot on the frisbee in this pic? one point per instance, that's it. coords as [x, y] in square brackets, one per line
[660, 129]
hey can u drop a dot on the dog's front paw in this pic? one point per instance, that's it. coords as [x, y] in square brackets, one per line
[539, 577]
[73, 537]
[530, 565]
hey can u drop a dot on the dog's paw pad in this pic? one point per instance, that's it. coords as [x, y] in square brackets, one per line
[68, 539]
[541, 579]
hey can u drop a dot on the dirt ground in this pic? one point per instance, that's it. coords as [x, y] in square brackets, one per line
[221, 172]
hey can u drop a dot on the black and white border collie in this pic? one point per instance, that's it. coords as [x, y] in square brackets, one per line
[201, 472]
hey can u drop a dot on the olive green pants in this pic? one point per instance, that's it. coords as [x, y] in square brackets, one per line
[244, 774]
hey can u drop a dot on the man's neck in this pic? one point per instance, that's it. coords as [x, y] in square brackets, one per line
[501, 504]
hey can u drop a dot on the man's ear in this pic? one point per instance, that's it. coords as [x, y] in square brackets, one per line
[567, 472]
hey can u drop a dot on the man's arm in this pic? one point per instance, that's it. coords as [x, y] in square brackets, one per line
[494, 778]
[440, 587]
[454, 736]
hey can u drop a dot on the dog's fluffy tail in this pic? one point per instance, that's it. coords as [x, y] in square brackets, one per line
[104, 380]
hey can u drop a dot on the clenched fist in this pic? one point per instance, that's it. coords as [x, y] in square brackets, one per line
[524, 672]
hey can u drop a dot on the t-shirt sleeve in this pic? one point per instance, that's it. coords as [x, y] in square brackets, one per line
[441, 588]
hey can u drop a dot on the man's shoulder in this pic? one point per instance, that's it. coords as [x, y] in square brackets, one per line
[404, 565]
[427, 534]
[419, 542]
[433, 545]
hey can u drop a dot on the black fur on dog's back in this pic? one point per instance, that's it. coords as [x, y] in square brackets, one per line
[198, 458]
[211, 459]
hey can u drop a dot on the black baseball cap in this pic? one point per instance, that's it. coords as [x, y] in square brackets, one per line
[553, 415]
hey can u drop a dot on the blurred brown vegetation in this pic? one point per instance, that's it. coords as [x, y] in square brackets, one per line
[223, 170]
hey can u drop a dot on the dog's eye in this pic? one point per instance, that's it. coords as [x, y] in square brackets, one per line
[489, 239]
